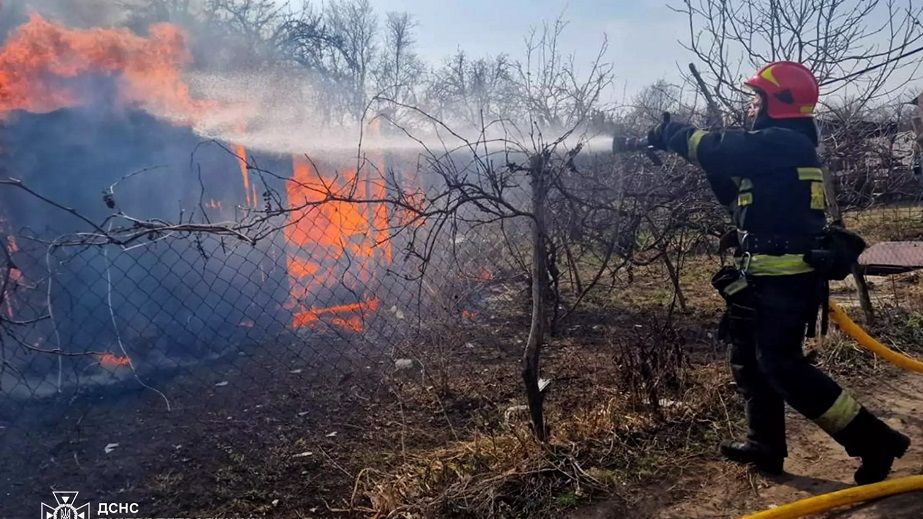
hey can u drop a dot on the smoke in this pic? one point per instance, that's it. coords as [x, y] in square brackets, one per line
[181, 69]
[73, 13]
[91, 13]
[223, 83]
[90, 94]
[40, 58]
[268, 110]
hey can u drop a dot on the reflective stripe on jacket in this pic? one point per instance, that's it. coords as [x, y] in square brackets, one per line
[770, 180]
[769, 265]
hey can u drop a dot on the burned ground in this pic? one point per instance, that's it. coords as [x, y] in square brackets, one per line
[302, 442]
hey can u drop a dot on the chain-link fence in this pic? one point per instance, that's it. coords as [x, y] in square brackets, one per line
[174, 329]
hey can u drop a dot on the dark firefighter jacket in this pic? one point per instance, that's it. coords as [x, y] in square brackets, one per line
[770, 180]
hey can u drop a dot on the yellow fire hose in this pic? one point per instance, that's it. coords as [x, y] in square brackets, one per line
[821, 503]
[868, 342]
[824, 502]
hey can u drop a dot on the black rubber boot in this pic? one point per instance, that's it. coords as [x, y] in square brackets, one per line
[876, 444]
[748, 452]
[876, 464]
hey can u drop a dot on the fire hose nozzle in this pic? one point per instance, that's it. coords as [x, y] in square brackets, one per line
[631, 144]
[622, 144]
[628, 144]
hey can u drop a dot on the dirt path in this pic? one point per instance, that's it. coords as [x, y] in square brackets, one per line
[816, 465]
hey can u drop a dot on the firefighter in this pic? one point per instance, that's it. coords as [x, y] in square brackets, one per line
[771, 181]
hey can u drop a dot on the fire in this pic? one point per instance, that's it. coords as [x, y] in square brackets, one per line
[301, 268]
[333, 245]
[350, 322]
[41, 60]
[329, 236]
[112, 360]
[249, 193]
[335, 224]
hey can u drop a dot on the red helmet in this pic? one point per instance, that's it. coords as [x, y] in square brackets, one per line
[789, 89]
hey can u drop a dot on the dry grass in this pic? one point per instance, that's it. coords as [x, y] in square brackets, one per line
[594, 451]
[615, 446]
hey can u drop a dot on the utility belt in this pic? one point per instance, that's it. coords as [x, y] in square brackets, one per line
[776, 244]
[831, 255]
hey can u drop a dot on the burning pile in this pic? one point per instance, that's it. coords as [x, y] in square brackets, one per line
[46, 67]
[330, 236]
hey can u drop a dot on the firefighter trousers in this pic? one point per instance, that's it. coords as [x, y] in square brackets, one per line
[766, 326]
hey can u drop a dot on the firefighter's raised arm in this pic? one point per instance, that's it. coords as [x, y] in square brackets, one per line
[729, 153]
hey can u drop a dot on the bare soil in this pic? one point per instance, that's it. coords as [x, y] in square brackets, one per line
[816, 465]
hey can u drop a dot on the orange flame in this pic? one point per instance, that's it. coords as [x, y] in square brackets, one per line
[39, 64]
[241, 153]
[109, 359]
[330, 235]
[340, 225]
[301, 268]
[352, 322]
[40, 56]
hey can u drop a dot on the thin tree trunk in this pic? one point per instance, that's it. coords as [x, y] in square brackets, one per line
[674, 278]
[572, 266]
[530, 359]
[865, 300]
[553, 290]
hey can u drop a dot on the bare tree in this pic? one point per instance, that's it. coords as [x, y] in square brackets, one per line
[399, 68]
[464, 90]
[865, 41]
[257, 26]
[141, 14]
[353, 25]
[870, 150]
[554, 93]
[514, 169]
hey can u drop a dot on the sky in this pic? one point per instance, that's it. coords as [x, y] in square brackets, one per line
[643, 34]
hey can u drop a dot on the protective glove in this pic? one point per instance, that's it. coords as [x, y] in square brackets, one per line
[656, 136]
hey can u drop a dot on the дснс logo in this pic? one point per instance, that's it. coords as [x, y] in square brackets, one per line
[65, 508]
